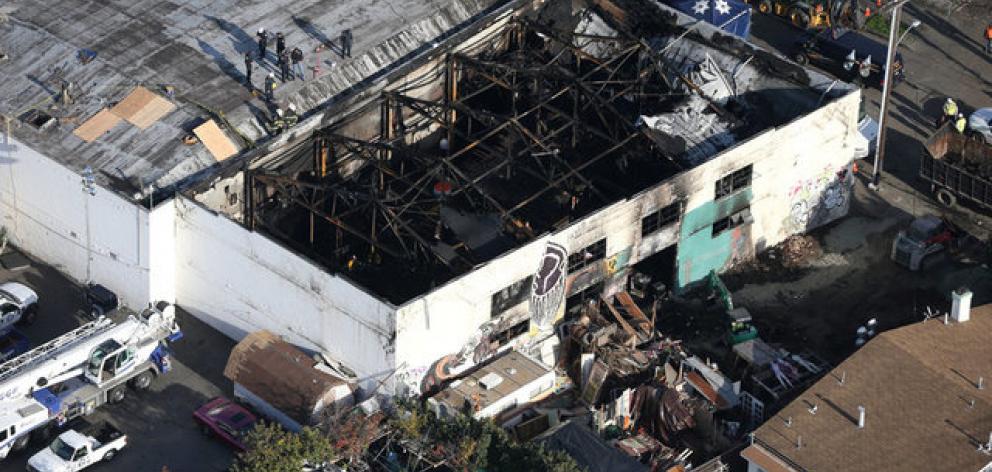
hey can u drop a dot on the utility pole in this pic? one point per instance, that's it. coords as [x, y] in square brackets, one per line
[886, 87]
[89, 188]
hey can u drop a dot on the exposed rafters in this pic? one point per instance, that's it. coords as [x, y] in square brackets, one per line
[525, 138]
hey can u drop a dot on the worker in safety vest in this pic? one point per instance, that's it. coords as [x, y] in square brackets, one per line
[270, 87]
[960, 123]
[950, 112]
[988, 39]
[278, 123]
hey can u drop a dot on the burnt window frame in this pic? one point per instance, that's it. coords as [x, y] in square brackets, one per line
[503, 337]
[524, 285]
[578, 261]
[731, 221]
[662, 218]
[734, 182]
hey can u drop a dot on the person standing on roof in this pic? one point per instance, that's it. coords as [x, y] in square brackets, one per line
[248, 66]
[960, 123]
[284, 65]
[270, 87]
[950, 112]
[263, 40]
[280, 43]
[988, 39]
[346, 40]
[296, 55]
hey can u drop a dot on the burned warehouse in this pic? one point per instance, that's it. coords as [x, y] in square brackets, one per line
[519, 166]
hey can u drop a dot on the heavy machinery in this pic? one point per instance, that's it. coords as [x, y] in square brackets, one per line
[73, 374]
[814, 13]
[920, 245]
[958, 168]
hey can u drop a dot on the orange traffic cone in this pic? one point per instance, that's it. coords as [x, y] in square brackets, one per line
[867, 12]
[878, 3]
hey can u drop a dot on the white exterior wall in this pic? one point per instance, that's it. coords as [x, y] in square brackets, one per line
[162, 260]
[43, 207]
[238, 281]
[799, 153]
[243, 394]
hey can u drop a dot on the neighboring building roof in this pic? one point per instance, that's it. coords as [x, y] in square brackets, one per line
[589, 451]
[197, 47]
[503, 377]
[280, 374]
[917, 384]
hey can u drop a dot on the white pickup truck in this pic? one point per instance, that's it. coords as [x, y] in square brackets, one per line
[18, 304]
[76, 450]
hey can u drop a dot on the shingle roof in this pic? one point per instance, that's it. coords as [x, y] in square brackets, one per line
[924, 411]
[280, 374]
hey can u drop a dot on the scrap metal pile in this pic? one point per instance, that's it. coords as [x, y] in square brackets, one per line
[631, 376]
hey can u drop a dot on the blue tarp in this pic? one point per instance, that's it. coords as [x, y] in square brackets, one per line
[732, 16]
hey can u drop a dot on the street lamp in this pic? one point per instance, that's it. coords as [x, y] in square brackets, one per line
[89, 188]
[890, 55]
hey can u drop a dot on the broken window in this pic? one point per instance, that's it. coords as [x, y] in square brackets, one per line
[588, 255]
[731, 183]
[661, 218]
[512, 295]
[503, 337]
[741, 217]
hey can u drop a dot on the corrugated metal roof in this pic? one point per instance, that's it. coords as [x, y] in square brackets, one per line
[197, 47]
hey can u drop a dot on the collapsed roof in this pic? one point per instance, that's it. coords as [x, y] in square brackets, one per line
[559, 114]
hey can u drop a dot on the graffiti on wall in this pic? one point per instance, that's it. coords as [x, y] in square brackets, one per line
[819, 199]
[547, 300]
[477, 349]
[617, 262]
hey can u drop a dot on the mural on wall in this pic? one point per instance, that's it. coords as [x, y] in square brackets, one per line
[819, 200]
[547, 300]
[477, 349]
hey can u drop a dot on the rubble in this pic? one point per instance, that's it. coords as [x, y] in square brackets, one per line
[788, 260]
[798, 250]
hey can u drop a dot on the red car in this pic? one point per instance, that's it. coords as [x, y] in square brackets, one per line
[225, 419]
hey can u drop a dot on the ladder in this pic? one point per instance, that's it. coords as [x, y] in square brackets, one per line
[14, 366]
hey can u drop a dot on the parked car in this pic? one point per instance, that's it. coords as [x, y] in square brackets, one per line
[13, 344]
[101, 300]
[832, 47]
[980, 124]
[77, 449]
[18, 305]
[227, 420]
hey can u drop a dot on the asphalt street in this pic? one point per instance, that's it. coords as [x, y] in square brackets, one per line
[944, 57]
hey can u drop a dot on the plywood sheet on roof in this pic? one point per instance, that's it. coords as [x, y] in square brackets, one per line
[215, 140]
[142, 107]
[97, 125]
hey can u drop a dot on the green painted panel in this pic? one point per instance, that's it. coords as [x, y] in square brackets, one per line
[699, 252]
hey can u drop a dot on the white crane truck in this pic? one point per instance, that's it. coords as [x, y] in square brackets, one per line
[70, 376]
